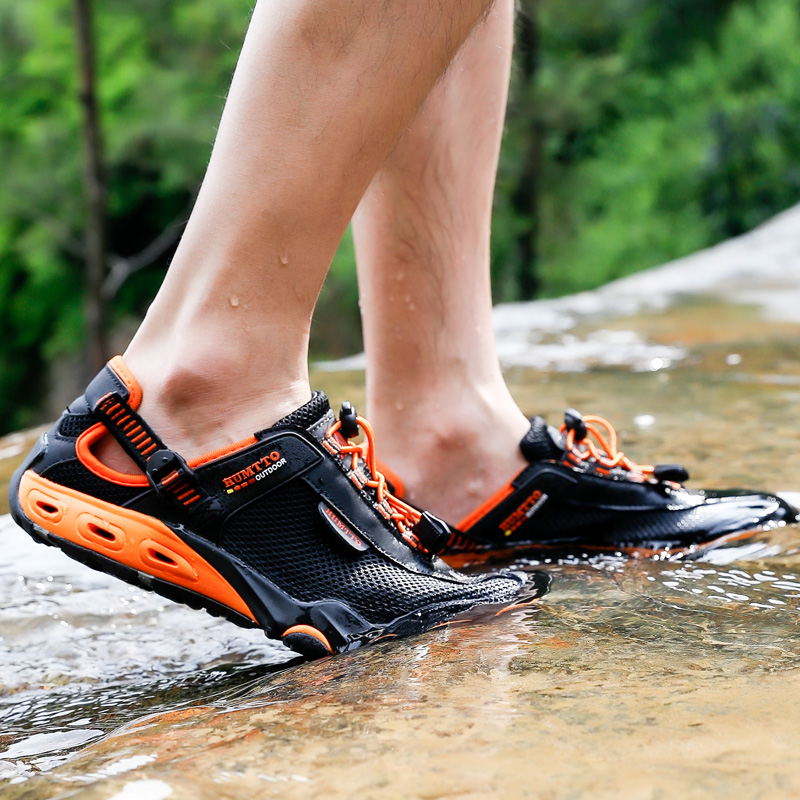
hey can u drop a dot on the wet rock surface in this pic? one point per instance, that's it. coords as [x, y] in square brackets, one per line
[640, 678]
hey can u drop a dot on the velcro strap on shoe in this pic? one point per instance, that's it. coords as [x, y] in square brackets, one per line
[169, 475]
[109, 399]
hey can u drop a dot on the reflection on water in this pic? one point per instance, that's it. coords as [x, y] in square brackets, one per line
[644, 651]
[647, 677]
[84, 653]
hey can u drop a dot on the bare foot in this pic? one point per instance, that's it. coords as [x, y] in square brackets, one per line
[451, 459]
[195, 411]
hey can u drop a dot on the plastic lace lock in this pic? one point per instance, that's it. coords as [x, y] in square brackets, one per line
[670, 472]
[170, 477]
[347, 416]
[573, 420]
[432, 533]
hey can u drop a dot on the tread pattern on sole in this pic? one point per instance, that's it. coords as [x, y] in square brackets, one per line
[86, 528]
[169, 591]
[59, 512]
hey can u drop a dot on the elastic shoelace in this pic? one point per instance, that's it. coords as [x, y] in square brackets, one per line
[402, 514]
[611, 457]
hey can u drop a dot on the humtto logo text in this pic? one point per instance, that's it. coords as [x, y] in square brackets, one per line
[257, 471]
[524, 512]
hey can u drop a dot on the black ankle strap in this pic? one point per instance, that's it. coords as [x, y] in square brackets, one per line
[108, 396]
[168, 474]
[135, 436]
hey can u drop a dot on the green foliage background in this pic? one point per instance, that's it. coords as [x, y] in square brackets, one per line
[662, 128]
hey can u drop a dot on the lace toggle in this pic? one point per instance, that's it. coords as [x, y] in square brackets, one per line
[577, 431]
[603, 450]
[417, 529]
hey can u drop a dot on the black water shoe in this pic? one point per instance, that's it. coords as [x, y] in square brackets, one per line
[580, 493]
[292, 530]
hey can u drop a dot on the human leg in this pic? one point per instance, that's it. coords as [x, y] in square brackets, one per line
[285, 524]
[446, 421]
[422, 231]
[320, 95]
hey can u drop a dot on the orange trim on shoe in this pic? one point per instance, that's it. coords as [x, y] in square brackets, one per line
[307, 630]
[83, 449]
[404, 516]
[485, 507]
[126, 376]
[126, 536]
[91, 436]
[213, 455]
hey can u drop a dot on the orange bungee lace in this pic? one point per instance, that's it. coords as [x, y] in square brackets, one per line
[605, 451]
[403, 515]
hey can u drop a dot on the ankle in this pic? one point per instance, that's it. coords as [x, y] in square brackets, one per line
[453, 455]
[200, 400]
[455, 415]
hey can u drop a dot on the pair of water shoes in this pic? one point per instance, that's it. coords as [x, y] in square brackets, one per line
[296, 530]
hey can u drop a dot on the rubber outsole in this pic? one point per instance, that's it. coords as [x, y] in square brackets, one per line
[666, 550]
[135, 540]
[141, 580]
[313, 630]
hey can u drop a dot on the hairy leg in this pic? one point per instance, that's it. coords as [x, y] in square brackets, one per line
[437, 399]
[321, 94]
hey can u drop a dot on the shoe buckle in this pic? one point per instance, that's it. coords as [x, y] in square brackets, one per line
[172, 479]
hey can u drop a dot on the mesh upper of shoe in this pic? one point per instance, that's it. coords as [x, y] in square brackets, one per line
[72, 473]
[284, 538]
[70, 426]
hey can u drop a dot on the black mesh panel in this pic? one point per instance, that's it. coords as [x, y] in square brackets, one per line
[605, 526]
[537, 443]
[283, 537]
[306, 415]
[76, 476]
[73, 425]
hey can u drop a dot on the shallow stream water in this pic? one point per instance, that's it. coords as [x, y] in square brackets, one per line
[634, 678]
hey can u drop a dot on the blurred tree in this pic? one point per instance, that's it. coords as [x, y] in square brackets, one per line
[637, 132]
[699, 151]
[94, 188]
[162, 67]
